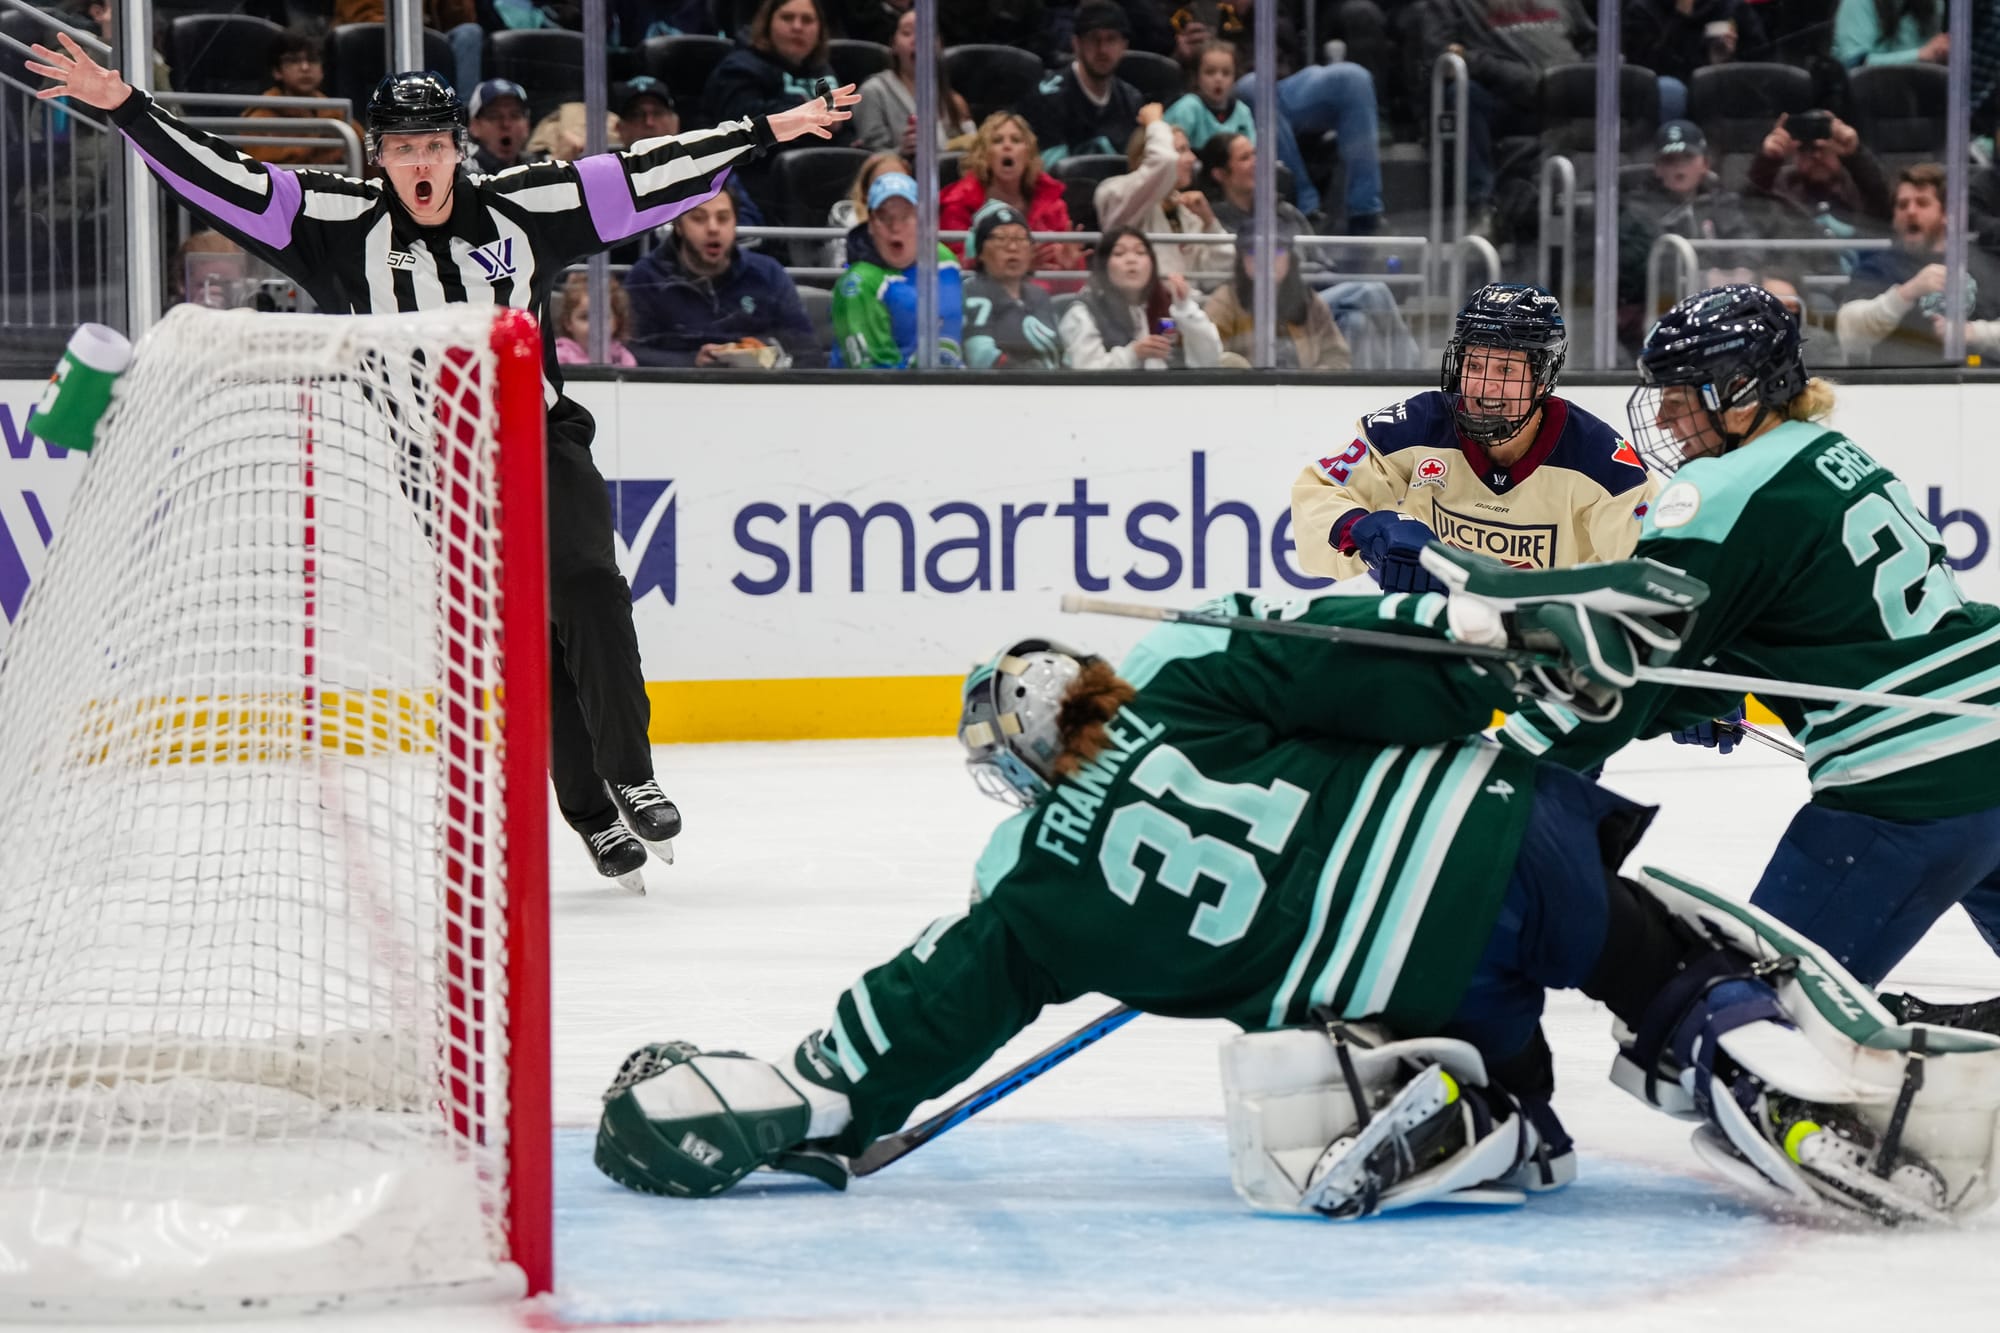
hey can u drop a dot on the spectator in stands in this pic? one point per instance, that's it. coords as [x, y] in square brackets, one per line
[208, 269]
[1133, 317]
[1817, 164]
[571, 313]
[1158, 195]
[887, 116]
[101, 17]
[1229, 176]
[458, 20]
[499, 125]
[1682, 197]
[1308, 337]
[1788, 287]
[1890, 32]
[1507, 46]
[1086, 107]
[699, 299]
[1313, 99]
[1212, 107]
[851, 211]
[1674, 38]
[1003, 163]
[1010, 323]
[875, 302]
[784, 62]
[563, 135]
[298, 66]
[1892, 309]
[645, 110]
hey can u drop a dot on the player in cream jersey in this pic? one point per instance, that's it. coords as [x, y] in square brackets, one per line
[1493, 463]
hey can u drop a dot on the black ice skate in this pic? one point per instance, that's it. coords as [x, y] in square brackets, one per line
[649, 814]
[619, 856]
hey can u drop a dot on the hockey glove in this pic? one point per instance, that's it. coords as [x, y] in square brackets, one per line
[1720, 735]
[689, 1123]
[1392, 545]
[1595, 624]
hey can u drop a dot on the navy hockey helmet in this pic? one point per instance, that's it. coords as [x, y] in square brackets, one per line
[414, 102]
[1509, 316]
[1009, 722]
[1724, 348]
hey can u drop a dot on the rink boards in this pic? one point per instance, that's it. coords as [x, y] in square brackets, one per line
[824, 560]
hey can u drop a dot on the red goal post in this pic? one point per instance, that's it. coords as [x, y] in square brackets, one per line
[274, 965]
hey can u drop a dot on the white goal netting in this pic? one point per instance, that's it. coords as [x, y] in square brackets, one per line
[254, 998]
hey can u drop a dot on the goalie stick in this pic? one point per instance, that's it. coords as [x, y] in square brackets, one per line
[894, 1147]
[1368, 638]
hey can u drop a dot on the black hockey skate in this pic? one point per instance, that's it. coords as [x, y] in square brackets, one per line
[1974, 1015]
[649, 814]
[619, 856]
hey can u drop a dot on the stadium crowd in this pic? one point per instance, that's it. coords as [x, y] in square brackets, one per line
[1760, 123]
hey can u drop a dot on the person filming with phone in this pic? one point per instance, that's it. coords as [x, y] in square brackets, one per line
[1814, 161]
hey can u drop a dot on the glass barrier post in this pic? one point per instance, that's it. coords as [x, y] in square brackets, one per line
[142, 192]
[596, 42]
[1604, 306]
[926, 167]
[1957, 158]
[1264, 300]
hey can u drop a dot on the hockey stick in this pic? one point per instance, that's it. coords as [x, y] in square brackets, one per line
[1692, 679]
[894, 1147]
[1771, 739]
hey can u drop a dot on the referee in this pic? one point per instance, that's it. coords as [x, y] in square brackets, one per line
[432, 234]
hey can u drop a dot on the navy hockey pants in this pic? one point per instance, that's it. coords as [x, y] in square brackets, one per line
[597, 690]
[1866, 889]
[1552, 921]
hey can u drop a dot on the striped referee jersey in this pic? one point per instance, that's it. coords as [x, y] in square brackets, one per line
[353, 247]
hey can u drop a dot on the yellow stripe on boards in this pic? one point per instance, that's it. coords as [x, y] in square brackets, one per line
[823, 708]
[833, 708]
[1753, 711]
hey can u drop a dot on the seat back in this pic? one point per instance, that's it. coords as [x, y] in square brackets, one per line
[1900, 108]
[222, 53]
[1736, 105]
[547, 62]
[855, 61]
[684, 62]
[992, 78]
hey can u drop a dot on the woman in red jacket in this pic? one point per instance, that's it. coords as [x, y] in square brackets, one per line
[1005, 163]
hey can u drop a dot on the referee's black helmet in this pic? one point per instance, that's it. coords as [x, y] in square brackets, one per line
[414, 102]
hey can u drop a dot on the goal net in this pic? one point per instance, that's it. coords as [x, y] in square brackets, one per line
[273, 857]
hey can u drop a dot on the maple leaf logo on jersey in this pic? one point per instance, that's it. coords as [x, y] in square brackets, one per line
[495, 258]
[1625, 453]
[1430, 471]
[643, 513]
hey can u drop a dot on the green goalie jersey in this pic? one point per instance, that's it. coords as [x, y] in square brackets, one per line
[1820, 569]
[1276, 824]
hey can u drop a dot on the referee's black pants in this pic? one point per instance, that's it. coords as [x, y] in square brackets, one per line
[597, 691]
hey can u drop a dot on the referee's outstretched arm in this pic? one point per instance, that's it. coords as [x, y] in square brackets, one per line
[297, 220]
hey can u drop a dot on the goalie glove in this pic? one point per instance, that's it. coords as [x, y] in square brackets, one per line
[690, 1124]
[1597, 623]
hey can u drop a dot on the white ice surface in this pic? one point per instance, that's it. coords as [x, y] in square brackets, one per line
[806, 863]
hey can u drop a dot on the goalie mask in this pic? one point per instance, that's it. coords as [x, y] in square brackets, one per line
[1008, 725]
[1520, 331]
[1724, 348]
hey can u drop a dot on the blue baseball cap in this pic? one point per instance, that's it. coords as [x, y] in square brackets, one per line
[491, 91]
[891, 185]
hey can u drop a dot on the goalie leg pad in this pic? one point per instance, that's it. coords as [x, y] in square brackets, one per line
[1896, 1121]
[1298, 1142]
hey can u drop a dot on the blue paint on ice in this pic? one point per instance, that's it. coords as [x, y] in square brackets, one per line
[1110, 1216]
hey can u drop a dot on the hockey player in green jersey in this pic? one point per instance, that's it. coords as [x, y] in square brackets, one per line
[1821, 570]
[1218, 832]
